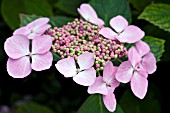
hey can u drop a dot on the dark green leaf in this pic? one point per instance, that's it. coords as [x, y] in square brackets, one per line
[25, 19]
[14, 97]
[106, 9]
[144, 3]
[156, 46]
[59, 21]
[157, 14]
[11, 9]
[31, 107]
[118, 61]
[156, 32]
[55, 57]
[128, 46]
[69, 6]
[94, 104]
[150, 104]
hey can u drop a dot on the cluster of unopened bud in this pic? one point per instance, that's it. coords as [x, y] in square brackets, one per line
[79, 36]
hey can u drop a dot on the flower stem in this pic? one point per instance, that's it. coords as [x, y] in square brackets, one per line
[98, 73]
[119, 60]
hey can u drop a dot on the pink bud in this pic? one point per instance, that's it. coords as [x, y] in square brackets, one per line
[55, 28]
[109, 58]
[112, 55]
[97, 53]
[61, 47]
[100, 56]
[67, 51]
[103, 54]
[97, 65]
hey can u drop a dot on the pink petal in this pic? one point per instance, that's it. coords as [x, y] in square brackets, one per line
[142, 47]
[86, 77]
[38, 23]
[114, 84]
[108, 33]
[32, 35]
[149, 63]
[86, 60]
[97, 21]
[131, 34]
[139, 85]
[110, 101]
[43, 29]
[67, 67]
[109, 72]
[118, 23]
[22, 30]
[124, 72]
[41, 44]
[19, 68]
[99, 86]
[87, 12]
[142, 71]
[42, 62]
[17, 46]
[134, 56]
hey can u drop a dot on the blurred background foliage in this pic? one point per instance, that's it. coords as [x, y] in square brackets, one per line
[49, 92]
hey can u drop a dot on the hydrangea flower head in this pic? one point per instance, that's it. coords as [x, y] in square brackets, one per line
[106, 85]
[124, 33]
[84, 75]
[17, 48]
[34, 29]
[86, 48]
[80, 36]
[89, 14]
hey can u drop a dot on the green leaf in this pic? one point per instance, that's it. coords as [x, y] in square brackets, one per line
[11, 9]
[142, 4]
[59, 21]
[150, 104]
[156, 32]
[69, 6]
[94, 104]
[106, 9]
[25, 19]
[157, 14]
[145, 3]
[31, 107]
[55, 57]
[156, 46]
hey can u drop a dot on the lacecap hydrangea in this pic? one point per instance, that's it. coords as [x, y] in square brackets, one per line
[87, 50]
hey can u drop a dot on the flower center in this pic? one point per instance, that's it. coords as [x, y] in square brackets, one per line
[136, 68]
[107, 84]
[32, 31]
[78, 70]
[30, 54]
[118, 33]
[80, 36]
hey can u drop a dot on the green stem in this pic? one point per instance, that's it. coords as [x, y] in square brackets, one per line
[98, 73]
[119, 60]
